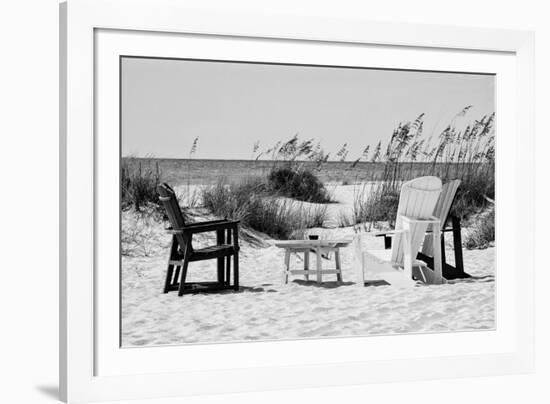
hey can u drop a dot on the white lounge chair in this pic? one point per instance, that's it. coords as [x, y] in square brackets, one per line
[449, 224]
[399, 265]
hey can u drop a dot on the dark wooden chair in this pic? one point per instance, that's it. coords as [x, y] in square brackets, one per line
[182, 251]
[442, 211]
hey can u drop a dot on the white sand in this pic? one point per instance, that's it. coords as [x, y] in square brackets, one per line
[265, 308]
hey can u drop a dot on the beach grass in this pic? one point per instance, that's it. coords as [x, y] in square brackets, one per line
[138, 183]
[466, 154]
[253, 203]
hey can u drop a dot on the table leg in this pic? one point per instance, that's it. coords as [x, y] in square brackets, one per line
[319, 265]
[306, 265]
[287, 265]
[338, 265]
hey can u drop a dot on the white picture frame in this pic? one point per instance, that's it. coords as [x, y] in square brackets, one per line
[92, 365]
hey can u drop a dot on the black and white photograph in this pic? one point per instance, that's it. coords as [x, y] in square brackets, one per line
[275, 201]
[263, 201]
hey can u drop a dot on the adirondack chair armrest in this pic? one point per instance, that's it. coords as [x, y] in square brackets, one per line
[205, 227]
[207, 222]
[411, 220]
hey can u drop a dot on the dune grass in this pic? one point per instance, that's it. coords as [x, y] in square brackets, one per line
[138, 184]
[466, 154]
[252, 202]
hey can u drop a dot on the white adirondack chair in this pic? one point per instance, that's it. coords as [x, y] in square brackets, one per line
[399, 265]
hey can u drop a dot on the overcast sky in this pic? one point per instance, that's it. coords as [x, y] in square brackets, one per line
[230, 106]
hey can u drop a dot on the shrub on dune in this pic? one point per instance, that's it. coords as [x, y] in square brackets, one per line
[252, 202]
[300, 184]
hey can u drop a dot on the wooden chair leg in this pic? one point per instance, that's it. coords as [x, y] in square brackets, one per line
[176, 275]
[181, 289]
[457, 244]
[170, 269]
[236, 259]
[228, 262]
[236, 271]
[220, 239]
[438, 263]
[168, 280]
[443, 256]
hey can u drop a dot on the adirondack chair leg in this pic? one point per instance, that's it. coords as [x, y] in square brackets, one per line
[168, 281]
[220, 239]
[228, 261]
[236, 260]
[443, 256]
[176, 275]
[236, 271]
[407, 255]
[170, 270]
[457, 244]
[181, 290]
[387, 242]
[438, 267]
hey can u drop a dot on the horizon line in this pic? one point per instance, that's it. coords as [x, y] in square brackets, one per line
[294, 161]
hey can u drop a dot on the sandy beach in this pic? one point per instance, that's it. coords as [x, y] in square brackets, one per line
[265, 308]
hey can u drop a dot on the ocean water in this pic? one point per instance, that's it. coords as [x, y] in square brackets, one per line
[206, 172]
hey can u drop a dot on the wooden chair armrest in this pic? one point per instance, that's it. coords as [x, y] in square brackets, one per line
[204, 227]
[208, 222]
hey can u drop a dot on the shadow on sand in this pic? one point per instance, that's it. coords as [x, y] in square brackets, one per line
[325, 285]
[474, 279]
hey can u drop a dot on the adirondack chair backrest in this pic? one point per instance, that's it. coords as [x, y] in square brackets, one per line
[417, 200]
[441, 211]
[173, 211]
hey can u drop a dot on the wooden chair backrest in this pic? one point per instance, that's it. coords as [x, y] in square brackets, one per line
[441, 211]
[417, 199]
[173, 211]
